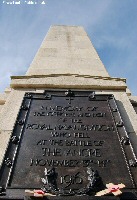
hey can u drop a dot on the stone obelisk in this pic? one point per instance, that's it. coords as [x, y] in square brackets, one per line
[67, 50]
[66, 59]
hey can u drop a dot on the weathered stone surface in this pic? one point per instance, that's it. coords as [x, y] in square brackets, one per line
[1, 107]
[10, 109]
[133, 99]
[127, 112]
[128, 92]
[4, 138]
[128, 115]
[67, 49]
[3, 98]
[69, 81]
[7, 90]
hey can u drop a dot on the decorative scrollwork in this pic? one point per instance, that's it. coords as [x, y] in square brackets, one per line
[14, 139]
[50, 184]
[8, 162]
[91, 96]
[2, 191]
[50, 181]
[94, 185]
[125, 140]
[69, 93]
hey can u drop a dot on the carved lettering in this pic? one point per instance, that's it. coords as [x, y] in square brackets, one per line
[41, 142]
[71, 152]
[61, 108]
[72, 127]
[99, 163]
[71, 179]
[69, 114]
[56, 142]
[61, 134]
[78, 143]
[76, 120]
[92, 108]
[70, 141]
[81, 135]
[70, 163]
[52, 152]
[55, 163]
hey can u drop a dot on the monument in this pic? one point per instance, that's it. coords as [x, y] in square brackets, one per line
[68, 129]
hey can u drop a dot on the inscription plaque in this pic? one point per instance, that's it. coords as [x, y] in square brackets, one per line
[67, 143]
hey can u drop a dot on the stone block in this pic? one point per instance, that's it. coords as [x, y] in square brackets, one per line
[4, 138]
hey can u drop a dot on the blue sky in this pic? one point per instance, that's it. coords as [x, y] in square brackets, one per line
[110, 24]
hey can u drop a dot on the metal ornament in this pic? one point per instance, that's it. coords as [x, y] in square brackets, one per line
[50, 184]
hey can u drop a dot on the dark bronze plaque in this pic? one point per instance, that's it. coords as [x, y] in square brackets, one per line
[68, 143]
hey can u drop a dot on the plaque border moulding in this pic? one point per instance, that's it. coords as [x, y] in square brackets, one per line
[12, 149]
